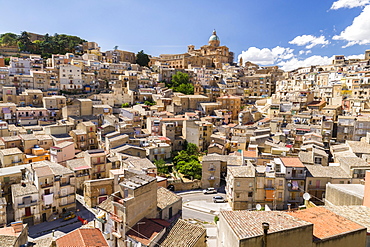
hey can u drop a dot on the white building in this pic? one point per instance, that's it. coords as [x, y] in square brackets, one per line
[70, 77]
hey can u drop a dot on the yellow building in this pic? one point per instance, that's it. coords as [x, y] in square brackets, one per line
[231, 103]
[38, 154]
[211, 55]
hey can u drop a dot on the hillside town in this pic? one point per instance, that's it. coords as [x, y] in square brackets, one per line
[98, 148]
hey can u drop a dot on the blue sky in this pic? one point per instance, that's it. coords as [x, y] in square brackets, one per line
[289, 33]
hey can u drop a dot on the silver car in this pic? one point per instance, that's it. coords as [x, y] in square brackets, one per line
[210, 191]
[217, 199]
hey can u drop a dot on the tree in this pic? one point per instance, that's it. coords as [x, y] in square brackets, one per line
[8, 39]
[187, 88]
[162, 168]
[192, 149]
[192, 169]
[179, 78]
[187, 161]
[24, 42]
[180, 83]
[142, 59]
[7, 60]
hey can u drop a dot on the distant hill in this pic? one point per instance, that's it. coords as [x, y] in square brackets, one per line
[44, 45]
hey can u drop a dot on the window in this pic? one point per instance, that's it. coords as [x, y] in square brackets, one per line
[318, 160]
[280, 182]
[102, 191]
[238, 184]
[250, 194]
[237, 195]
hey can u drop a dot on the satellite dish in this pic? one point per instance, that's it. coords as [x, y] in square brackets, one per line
[306, 196]
[258, 206]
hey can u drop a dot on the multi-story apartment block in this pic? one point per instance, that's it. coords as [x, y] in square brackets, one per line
[91, 141]
[198, 132]
[240, 187]
[31, 115]
[97, 160]
[19, 66]
[232, 104]
[56, 188]
[26, 203]
[11, 157]
[70, 78]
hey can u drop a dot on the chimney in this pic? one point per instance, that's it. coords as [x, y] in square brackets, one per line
[265, 227]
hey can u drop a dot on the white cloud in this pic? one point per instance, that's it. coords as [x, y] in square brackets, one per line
[349, 4]
[309, 40]
[266, 56]
[360, 56]
[359, 31]
[295, 63]
[305, 52]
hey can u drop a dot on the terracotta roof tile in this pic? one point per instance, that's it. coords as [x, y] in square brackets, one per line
[292, 162]
[86, 237]
[182, 234]
[166, 198]
[326, 223]
[248, 224]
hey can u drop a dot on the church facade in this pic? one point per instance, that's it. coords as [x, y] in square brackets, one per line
[210, 56]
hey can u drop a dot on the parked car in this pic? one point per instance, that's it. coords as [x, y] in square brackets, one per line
[68, 215]
[210, 191]
[217, 199]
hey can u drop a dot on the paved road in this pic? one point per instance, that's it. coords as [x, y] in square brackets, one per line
[188, 213]
[60, 226]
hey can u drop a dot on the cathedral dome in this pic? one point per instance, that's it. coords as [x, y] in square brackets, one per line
[214, 36]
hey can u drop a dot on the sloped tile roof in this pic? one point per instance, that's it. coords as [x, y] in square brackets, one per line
[292, 162]
[166, 198]
[248, 224]
[326, 223]
[182, 234]
[85, 237]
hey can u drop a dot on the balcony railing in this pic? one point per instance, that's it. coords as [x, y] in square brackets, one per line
[70, 194]
[82, 175]
[23, 205]
[65, 184]
[313, 187]
[47, 185]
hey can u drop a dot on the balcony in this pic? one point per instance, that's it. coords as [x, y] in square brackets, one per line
[47, 185]
[316, 187]
[82, 175]
[67, 204]
[269, 187]
[65, 184]
[212, 169]
[23, 205]
[66, 195]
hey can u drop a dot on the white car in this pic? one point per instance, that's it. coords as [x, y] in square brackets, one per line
[217, 199]
[210, 191]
